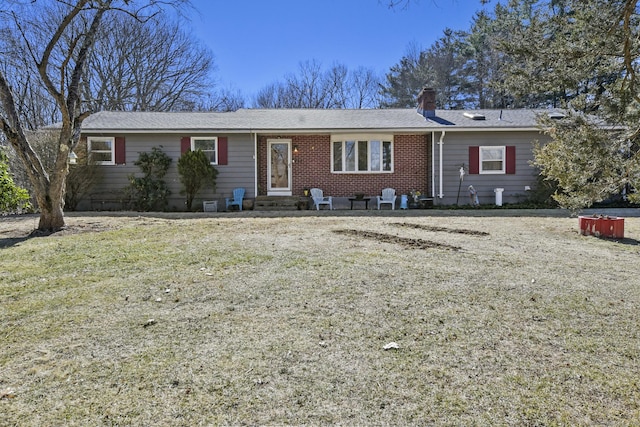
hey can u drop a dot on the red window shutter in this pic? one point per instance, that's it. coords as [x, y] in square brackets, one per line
[474, 160]
[222, 150]
[120, 151]
[511, 160]
[185, 144]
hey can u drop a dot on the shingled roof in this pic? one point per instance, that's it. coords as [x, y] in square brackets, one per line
[312, 120]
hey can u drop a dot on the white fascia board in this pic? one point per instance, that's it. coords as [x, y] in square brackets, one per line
[165, 131]
[514, 129]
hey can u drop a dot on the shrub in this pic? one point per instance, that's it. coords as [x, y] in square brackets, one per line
[150, 192]
[12, 197]
[195, 171]
[541, 195]
[81, 178]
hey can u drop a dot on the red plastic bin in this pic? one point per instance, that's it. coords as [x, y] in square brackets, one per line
[602, 226]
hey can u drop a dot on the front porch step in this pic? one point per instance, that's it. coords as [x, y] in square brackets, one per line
[279, 203]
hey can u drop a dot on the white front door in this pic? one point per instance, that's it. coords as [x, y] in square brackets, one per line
[279, 167]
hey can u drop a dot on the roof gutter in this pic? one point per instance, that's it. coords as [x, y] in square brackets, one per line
[289, 131]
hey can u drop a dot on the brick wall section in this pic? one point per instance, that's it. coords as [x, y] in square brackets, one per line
[312, 167]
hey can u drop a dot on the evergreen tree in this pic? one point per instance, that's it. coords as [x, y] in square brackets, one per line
[195, 171]
[150, 191]
[582, 55]
[405, 80]
[445, 58]
[438, 67]
[482, 67]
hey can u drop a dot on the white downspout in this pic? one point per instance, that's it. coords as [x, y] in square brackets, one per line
[441, 144]
[433, 165]
[255, 164]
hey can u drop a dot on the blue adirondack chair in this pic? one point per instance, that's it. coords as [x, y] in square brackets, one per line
[238, 195]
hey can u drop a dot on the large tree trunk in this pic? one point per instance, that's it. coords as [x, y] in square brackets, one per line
[50, 196]
[48, 188]
[51, 218]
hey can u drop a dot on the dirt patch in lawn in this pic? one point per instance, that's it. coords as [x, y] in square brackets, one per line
[441, 229]
[407, 242]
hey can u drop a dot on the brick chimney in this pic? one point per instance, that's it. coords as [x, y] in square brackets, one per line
[427, 102]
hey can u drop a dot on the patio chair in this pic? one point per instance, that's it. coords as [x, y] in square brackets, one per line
[389, 197]
[236, 200]
[320, 199]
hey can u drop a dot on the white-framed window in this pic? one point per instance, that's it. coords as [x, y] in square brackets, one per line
[208, 145]
[493, 160]
[102, 149]
[351, 154]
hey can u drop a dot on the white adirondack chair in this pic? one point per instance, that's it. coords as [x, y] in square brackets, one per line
[320, 199]
[388, 197]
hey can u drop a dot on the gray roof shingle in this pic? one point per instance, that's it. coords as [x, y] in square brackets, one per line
[310, 120]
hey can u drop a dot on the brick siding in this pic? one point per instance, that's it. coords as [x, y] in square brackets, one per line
[312, 167]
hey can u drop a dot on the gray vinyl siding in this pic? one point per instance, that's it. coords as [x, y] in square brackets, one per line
[238, 172]
[456, 153]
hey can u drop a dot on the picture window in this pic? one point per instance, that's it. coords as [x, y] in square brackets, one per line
[362, 156]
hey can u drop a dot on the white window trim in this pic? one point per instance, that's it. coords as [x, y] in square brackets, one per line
[357, 138]
[112, 151]
[215, 138]
[504, 160]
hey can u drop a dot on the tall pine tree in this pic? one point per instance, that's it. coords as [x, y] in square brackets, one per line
[583, 56]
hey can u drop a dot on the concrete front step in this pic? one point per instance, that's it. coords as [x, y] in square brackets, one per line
[279, 203]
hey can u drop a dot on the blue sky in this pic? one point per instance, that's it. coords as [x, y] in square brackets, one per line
[258, 42]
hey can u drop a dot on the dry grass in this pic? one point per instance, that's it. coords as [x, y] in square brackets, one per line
[267, 321]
